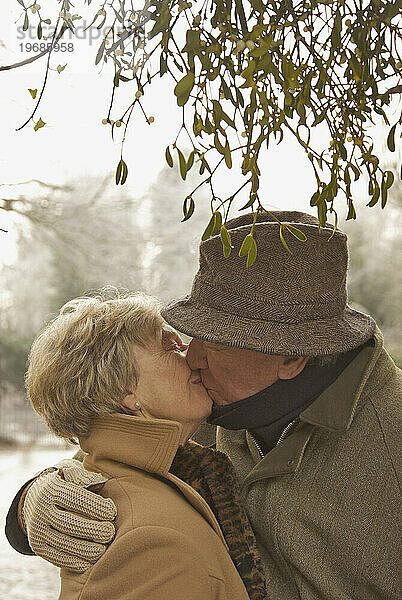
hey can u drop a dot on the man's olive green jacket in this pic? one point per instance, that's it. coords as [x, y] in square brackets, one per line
[325, 502]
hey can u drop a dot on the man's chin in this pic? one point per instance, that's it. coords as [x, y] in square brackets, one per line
[216, 398]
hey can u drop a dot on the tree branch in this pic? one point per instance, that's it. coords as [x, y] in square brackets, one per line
[32, 59]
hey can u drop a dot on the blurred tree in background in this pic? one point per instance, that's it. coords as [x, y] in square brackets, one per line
[89, 234]
[375, 275]
[85, 236]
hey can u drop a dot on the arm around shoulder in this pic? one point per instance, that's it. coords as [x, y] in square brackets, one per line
[16, 537]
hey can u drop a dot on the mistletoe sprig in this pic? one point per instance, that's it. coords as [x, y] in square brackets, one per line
[247, 73]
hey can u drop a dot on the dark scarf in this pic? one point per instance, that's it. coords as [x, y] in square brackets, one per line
[212, 475]
[268, 412]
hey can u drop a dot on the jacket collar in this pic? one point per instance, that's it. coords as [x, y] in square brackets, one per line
[118, 442]
[334, 409]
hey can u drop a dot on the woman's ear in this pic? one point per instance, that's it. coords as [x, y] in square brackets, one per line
[292, 366]
[130, 401]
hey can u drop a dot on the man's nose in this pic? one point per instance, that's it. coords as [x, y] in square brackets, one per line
[196, 356]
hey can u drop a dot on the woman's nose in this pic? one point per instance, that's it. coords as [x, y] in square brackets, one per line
[196, 356]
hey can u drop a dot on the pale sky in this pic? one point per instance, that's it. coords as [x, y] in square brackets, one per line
[74, 143]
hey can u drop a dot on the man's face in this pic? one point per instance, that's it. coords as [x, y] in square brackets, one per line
[231, 374]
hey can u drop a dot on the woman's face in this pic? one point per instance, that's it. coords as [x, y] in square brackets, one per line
[167, 388]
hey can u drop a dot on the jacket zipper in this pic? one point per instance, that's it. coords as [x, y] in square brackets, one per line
[286, 431]
[260, 452]
[283, 435]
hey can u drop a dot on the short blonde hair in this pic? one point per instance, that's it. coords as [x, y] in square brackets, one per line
[82, 364]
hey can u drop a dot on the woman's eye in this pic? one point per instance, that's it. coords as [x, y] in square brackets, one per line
[172, 345]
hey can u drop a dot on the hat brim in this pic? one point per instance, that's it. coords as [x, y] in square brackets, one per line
[338, 334]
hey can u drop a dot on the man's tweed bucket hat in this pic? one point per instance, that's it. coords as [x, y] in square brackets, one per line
[283, 304]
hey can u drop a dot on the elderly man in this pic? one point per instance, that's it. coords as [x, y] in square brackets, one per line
[306, 400]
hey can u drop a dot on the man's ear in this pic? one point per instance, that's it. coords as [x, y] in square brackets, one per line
[292, 366]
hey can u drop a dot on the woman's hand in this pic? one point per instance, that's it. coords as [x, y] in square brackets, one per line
[67, 524]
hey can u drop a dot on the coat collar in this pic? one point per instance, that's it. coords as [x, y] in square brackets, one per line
[334, 409]
[118, 442]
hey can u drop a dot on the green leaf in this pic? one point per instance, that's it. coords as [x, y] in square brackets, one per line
[61, 68]
[208, 231]
[217, 222]
[197, 125]
[217, 112]
[351, 211]
[168, 157]
[33, 93]
[375, 196]
[252, 254]
[100, 52]
[250, 202]
[182, 164]
[39, 125]
[162, 22]
[389, 179]
[124, 173]
[355, 171]
[247, 73]
[322, 212]
[391, 138]
[218, 145]
[255, 182]
[226, 251]
[342, 151]
[26, 23]
[118, 171]
[319, 119]
[39, 31]
[297, 233]
[227, 92]
[225, 237]
[183, 88]
[188, 208]
[284, 244]
[246, 245]
[314, 199]
[380, 111]
[190, 160]
[121, 172]
[228, 156]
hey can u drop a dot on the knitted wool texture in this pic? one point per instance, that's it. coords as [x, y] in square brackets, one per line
[52, 530]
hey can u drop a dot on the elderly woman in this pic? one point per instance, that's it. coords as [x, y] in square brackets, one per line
[111, 373]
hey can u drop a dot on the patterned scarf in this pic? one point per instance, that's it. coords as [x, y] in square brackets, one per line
[212, 475]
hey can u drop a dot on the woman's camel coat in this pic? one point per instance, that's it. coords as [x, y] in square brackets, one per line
[168, 543]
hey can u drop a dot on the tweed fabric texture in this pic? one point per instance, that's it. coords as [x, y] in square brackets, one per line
[325, 503]
[55, 531]
[284, 304]
[212, 475]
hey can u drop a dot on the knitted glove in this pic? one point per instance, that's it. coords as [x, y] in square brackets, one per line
[55, 530]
